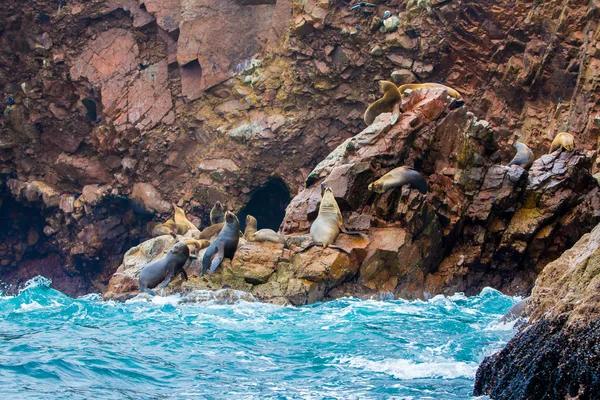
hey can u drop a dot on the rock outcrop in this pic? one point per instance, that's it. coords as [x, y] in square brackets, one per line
[480, 224]
[266, 270]
[210, 100]
[556, 354]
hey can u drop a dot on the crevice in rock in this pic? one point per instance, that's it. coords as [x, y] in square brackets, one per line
[267, 204]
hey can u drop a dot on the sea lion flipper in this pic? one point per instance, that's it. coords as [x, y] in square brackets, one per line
[167, 280]
[216, 261]
[332, 246]
[395, 114]
[309, 246]
[352, 233]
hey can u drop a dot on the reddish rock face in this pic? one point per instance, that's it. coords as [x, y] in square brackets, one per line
[480, 224]
[146, 197]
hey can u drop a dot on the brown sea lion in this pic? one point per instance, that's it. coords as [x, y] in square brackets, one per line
[251, 227]
[564, 140]
[196, 245]
[180, 218]
[390, 102]
[268, 235]
[211, 231]
[398, 177]
[415, 86]
[524, 157]
[329, 223]
[217, 214]
[165, 269]
[224, 245]
[169, 228]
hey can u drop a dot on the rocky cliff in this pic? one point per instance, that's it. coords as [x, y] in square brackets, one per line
[480, 224]
[556, 355]
[116, 109]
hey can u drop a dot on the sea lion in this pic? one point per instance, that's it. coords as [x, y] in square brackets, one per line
[398, 177]
[251, 227]
[415, 86]
[515, 312]
[268, 235]
[196, 245]
[390, 102]
[169, 228]
[564, 140]
[217, 214]
[224, 245]
[329, 223]
[211, 231]
[165, 269]
[524, 157]
[180, 218]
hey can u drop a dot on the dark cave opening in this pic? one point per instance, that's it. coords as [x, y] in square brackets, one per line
[267, 204]
[21, 223]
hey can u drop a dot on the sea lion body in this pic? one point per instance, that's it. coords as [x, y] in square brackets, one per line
[251, 227]
[211, 231]
[196, 245]
[268, 235]
[415, 86]
[326, 228]
[391, 99]
[224, 245]
[169, 227]
[180, 218]
[564, 140]
[164, 269]
[515, 312]
[329, 223]
[216, 214]
[524, 157]
[398, 177]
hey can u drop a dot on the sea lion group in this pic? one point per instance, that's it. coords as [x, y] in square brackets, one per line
[223, 235]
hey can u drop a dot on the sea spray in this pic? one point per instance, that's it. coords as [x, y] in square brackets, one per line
[227, 345]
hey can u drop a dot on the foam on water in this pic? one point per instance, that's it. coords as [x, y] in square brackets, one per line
[230, 346]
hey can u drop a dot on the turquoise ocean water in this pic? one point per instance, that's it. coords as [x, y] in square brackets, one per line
[56, 347]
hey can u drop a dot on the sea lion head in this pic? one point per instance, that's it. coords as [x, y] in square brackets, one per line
[376, 187]
[387, 85]
[567, 140]
[180, 248]
[250, 220]
[230, 218]
[218, 206]
[519, 146]
[326, 190]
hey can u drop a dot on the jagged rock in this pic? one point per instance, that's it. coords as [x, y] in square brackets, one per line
[556, 352]
[148, 199]
[35, 192]
[488, 219]
[267, 270]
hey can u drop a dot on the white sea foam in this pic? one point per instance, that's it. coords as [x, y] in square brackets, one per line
[173, 299]
[34, 305]
[408, 369]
